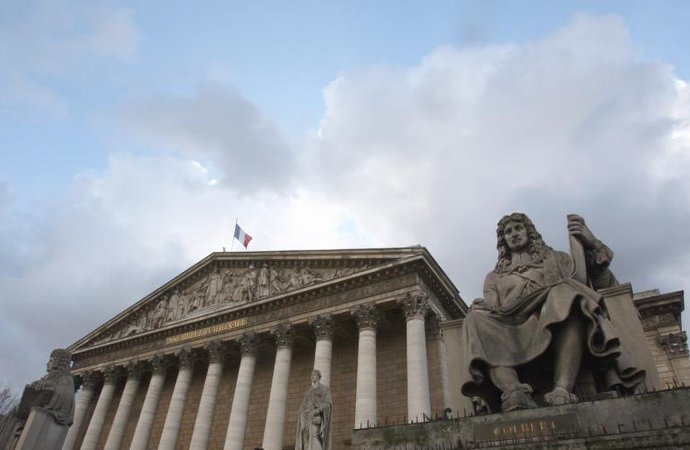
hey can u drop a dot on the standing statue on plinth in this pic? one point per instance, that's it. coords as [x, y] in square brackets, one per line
[539, 310]
[314, 417]
[51, 400]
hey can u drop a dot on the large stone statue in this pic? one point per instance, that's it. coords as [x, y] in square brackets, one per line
[314, 417]
[49, 399]
[536, 317]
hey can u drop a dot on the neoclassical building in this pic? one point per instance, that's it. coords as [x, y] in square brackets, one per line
[220, 356]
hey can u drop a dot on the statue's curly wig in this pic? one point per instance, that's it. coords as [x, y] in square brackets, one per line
[537, 247]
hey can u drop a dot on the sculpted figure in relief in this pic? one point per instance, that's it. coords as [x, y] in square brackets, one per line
[214, 288]
[534, 310]
[277, 282]
[175, 306]
[263, 283]
[309, 277]
[158, 314]
[314, 417]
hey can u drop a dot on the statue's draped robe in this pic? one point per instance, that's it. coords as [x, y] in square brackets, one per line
[314, 419]
[528, 301]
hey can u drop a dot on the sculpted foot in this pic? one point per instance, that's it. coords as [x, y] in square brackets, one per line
[559, 396]
[518, 398]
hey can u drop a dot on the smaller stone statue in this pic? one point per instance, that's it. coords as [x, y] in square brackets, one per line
[314, 417]
[53, 397]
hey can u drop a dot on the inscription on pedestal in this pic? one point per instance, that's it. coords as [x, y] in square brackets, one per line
[528, 428]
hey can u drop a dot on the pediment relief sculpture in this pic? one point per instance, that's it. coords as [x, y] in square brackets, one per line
[221, 288]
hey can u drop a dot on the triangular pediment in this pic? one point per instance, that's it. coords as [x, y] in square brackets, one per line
[224, 281]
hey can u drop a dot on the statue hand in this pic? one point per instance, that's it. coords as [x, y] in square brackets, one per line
[479, 304]
[577, 228]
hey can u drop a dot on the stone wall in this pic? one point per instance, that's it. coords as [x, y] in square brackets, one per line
[651, 420]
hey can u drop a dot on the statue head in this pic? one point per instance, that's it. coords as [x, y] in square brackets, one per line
[60, 359]
[315, 376]
[536, 246]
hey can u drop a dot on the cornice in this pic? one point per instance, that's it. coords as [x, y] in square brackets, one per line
[279, 259]
[417, 263]
[656, 305]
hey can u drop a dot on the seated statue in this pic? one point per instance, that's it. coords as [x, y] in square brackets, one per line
[536, 312]
[52, 395]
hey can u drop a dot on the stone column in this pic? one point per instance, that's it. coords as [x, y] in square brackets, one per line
[174, 417]
[234, 438]
[415, 306]
[93, 432]
[148, 409]
[435, 334]
[88, 385]
[277, 401]
[323, 329]
[207, 404]
[124, 408]
[367, 318]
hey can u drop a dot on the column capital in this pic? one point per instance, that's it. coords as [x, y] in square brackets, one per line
[111, 374]
[216, 351]
[186, 358]
[283, 334]
[323, 326]
[367, 316]
[433, 327]
[134, 370]
[88, 379]
[248, 343]
[414, 305]
[159, 363]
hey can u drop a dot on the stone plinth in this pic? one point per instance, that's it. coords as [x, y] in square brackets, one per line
[41, 432]
[650, 420]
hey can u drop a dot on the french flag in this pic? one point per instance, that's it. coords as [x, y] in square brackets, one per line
[241, 236]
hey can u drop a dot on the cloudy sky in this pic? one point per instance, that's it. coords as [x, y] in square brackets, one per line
[134, 133]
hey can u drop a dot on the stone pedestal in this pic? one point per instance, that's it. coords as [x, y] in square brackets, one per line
[655, 420]
[41, 433]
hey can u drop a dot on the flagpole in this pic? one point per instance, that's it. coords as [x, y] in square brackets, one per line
[232, 243]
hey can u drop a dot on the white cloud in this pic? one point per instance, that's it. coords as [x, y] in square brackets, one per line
[221, 127]
[573, 122]
[432, 154]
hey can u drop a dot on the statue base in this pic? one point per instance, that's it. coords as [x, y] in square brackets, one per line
[647, 420]
[41, 432]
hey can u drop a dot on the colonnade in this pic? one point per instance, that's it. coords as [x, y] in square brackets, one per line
[367, 317]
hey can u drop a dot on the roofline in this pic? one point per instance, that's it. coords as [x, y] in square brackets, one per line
[384, 252]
